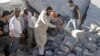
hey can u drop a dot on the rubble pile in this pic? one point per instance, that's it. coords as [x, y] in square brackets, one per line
[66, 44]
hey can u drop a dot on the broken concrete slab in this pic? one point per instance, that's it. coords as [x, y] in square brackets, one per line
[71, 54]
[86, 53]
[78, 50]
[48, 53]
[97, 53]
[63, 48]
[91, 46]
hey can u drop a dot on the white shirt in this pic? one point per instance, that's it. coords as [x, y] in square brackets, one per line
[43, 22]
[32, 22]
[15, 27]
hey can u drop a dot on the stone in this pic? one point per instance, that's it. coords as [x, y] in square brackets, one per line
[57, 40]
[69, 44]
[92, 38]
[48, 53]
[86, 53]
[51, 38]
[78, 50]
[93, 27]
[98, 33]
[91, 46]
[71, 54]
[97, 29]
[35, 52]
[70, 39]
[64, 49]
[98, 44]
[60, 35]
[55, 51]
[78, 34]
[97, 53]
[54, 45]
[49, 43]
[61, 53]
[47, 48]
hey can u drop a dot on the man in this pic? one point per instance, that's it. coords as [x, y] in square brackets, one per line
[41, 27]
[31, 37]
[15, 32]
[56, 20]
[4, 33]
[75, 17]
[26, 16]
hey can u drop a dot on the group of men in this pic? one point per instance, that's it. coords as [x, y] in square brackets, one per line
[13, 27]
[31, 28]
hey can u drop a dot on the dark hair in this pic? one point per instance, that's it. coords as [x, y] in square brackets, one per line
[5, 13]
[34, 12]
[58, 15]
[17, 11]
[70, 1]
[26, 12]
[11, 11]
[48, 8]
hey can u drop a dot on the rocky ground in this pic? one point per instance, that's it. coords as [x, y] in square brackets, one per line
[65, 44]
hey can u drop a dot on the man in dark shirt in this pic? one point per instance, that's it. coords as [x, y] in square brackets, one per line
[4, 33]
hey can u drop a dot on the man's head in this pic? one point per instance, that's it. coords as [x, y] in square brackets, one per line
[17, 13]
[48, 10]
[53, 14]
[25, 13]
[35, 14]
[11, 11]
[70, 1]
[5, 15]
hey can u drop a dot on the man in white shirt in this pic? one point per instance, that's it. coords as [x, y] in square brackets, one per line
[41, 27]
[31, 38]
[15, 32]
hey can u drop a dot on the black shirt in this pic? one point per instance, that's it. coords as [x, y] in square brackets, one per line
[4, 27]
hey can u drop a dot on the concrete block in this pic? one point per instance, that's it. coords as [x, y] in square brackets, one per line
[78, 50]
[48, 53]
[71, 54]
[61, 53]
[91, 46]
[87, 53]
[97, 53]
[69, 44]
[92, 38]
[63, 48]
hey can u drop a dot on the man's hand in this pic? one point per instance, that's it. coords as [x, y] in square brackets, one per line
[1, 33]
[22, 36]
[11, 36]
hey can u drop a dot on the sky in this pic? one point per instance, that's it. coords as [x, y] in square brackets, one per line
[3, 1]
